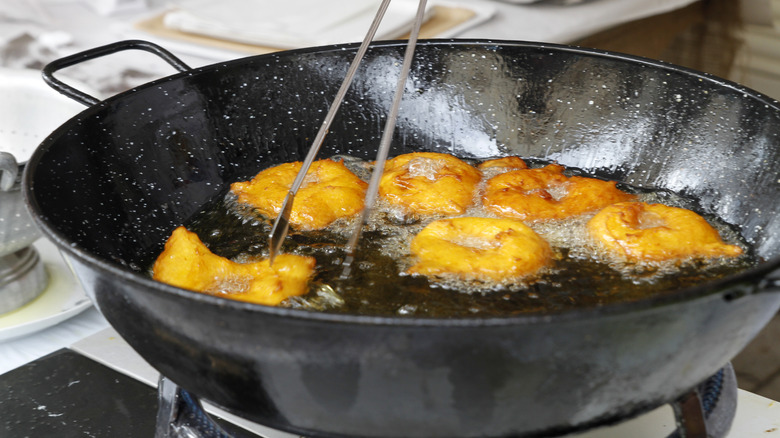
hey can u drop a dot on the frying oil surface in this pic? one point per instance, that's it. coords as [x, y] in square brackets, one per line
[582, 274]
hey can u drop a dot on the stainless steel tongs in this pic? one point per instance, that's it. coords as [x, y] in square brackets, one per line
[282, 223]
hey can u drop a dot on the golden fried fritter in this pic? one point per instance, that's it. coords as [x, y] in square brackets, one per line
[505, 162]
[546, 193]
[187, 263]
[655, 232]
[429, 183]
[329, 192]
[472, 248]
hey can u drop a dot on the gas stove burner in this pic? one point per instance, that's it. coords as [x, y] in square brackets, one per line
[707, 411]
[23, 278]
[180, 415]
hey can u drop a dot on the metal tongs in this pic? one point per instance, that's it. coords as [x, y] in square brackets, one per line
[282, 223]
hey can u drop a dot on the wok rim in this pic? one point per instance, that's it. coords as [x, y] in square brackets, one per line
[750, 278]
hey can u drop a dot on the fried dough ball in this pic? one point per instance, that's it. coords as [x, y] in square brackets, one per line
[429, 183]
[505, 162]
[546, 193]
[471, 248]
[329, 192]
[187, 263]
[656, 232]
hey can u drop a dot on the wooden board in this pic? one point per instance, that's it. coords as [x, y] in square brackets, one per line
[443, 19]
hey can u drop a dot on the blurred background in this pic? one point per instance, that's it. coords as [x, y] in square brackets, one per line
[733, 39]
[737, 40]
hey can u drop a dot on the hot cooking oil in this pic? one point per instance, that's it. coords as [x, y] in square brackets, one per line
[581, 275]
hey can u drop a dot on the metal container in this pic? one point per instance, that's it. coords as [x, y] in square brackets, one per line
[29, 111]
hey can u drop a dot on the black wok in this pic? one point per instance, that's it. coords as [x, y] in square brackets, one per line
[110, 185]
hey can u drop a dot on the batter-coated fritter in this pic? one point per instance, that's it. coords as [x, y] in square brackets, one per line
[655, 232]
[329, 192]
[511, 162]
[187, 263]
[471, 248]
[546, 193]
[429, 183]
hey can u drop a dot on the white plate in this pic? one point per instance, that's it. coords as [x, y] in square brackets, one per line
[63, 298]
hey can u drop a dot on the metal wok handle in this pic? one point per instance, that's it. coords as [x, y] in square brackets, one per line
[86, 99]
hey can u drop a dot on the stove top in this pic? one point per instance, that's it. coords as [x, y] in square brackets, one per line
[66, 394]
